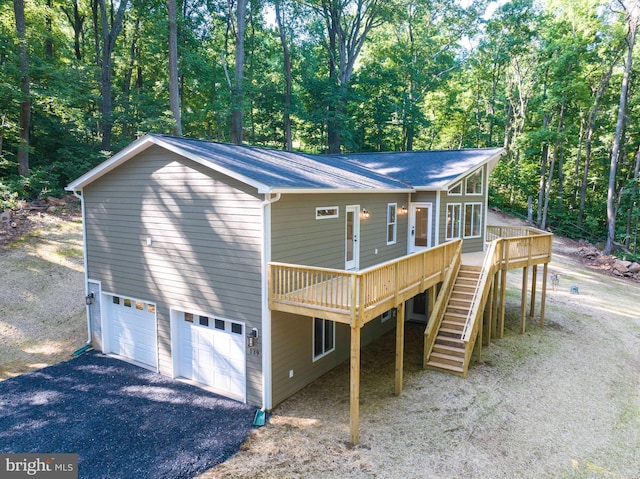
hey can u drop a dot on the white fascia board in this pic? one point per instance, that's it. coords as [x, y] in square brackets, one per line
[142, 144]
[325, 191]
[261, 187]
[492, 161]
[106, 166]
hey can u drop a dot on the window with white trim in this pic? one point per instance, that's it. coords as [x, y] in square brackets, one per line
[455, 190]
[454, 220]
[472, 220]
[473, 183]
[326, 212]
[392, 226]
[324, 337]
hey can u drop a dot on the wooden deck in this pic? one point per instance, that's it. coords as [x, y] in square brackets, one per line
[357, 297]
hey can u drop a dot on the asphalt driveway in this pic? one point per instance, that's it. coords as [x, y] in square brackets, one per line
[123, 421]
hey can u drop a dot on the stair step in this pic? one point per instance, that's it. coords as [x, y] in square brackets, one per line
[452, 315]
[448, 367]
[456, 332]
[451, 350]
[448, 357]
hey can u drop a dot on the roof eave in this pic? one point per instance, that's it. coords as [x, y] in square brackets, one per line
[315, 190]
[491, 160]
[142, 144]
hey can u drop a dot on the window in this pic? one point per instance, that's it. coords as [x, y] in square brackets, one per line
[474, 183]
[116, 300]
[236, 328]
[472, 220]
[456, 190]
[325, 212]
[139, 305]
[203, 320]
[392, 215]
[127, 303]
[454, 213]
[219, 324]
[188, 317]
[324, 337]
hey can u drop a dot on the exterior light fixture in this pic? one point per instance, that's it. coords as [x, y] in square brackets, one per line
[403, 209]
[365, 213]
[251, 337]
[89, 299]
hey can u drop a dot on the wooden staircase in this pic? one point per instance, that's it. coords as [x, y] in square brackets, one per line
[450, 353]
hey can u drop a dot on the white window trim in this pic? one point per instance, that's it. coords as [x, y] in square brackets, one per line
[457, 185]
[394, 223]
[327, 208]
[313, 340]
[466, 180]
[459, 222]
[473, 207]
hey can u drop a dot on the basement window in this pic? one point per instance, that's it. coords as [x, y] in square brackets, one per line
[324, 337]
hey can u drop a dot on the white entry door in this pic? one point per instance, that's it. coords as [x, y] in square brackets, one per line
[352, 235]
[420, 227]
[212, 352]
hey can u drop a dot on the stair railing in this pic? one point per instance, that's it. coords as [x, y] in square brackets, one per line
[481, 286]
[436, 316]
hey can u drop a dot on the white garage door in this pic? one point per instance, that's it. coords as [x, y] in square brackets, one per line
[131, 330]
[211, 352]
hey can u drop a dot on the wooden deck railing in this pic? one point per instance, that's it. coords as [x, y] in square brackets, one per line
[347, 296]
[342, 295]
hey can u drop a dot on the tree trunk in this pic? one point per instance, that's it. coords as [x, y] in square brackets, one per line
[633, 202]
[108, 44]
[286, 58]
[632, 17]
[25, 101]
[174, 91]
[237, 93]
[76, 21]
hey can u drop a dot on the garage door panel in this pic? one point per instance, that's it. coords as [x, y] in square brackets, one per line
[132, 330]
[213, 355]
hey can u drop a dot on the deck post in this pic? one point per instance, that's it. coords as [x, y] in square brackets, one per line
[543, 298]
[495, 283]
[534, 280]
[399, 347]
[523, 302]
[503, 295]
[354, 399]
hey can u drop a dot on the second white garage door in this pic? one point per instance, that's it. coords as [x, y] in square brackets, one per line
[212, 352]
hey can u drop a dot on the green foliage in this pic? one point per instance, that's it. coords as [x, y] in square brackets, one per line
[433, 74]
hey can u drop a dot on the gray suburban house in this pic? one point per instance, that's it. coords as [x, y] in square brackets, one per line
[197, 252]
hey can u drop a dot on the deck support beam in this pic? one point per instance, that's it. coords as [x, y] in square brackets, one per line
[543, 299]
[354, 389]
[523, 302]
[399, 348]
[534, 280]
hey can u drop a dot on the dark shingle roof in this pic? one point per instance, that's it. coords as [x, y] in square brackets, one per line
[272, 170]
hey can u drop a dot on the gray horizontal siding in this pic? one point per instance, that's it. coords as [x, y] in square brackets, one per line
[293, 350]
[301, 239]
[206, 232]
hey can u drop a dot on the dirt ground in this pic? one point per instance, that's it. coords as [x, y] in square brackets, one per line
[561, 401]
[42, 312]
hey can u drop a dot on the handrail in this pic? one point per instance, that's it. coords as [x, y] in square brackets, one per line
[355, 292]
[472, 313]
[435, 318]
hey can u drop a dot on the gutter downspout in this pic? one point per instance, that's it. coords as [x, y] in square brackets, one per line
[86, 270]
[267, 396]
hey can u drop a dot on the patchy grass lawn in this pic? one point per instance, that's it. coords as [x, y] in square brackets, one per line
[561, 401]
[42, 313]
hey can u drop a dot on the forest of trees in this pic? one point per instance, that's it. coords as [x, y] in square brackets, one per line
[551, 81]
